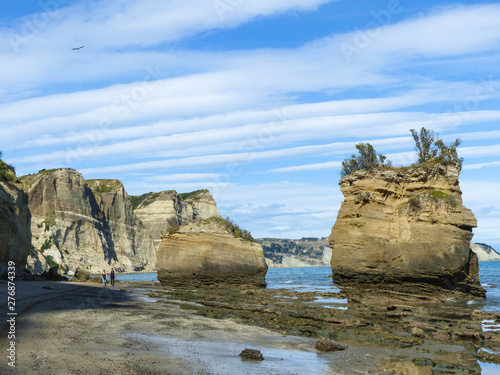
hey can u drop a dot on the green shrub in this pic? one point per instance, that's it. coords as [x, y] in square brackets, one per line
[194, 195]
[439, 194]
[7, 171]
[51, 261]
[46, 245]
[367, 160]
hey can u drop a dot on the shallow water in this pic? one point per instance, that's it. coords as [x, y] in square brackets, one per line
[222, 357]
[319, 279]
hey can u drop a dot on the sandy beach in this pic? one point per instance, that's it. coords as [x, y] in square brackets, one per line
[83, 328]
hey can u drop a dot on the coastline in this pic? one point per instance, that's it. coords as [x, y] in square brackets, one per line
[83, 328]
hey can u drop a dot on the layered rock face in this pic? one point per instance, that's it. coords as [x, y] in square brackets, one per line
[15, 229]
[75, 225]
[205, 251]
[405, 226]
[167, 209]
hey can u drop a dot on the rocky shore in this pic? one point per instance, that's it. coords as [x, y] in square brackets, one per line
[145, 328]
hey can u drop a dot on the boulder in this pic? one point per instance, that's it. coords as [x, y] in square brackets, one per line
[405, 226]
[252, 354]
[81, 275]
[56, 273]
[325, 345]
[205, 251]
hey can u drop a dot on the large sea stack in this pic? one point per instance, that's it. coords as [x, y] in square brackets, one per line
[206, 251]
[405, 229]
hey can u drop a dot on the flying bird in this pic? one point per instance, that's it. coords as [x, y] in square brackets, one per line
[77, 48]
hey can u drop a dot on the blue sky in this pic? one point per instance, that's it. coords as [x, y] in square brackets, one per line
[258, 101]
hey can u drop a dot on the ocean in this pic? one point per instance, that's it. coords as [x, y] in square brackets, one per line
[318, 279]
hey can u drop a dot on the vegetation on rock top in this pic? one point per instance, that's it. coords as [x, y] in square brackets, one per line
[194, 195]
[429, 148]
[102, 186]
[231, 227]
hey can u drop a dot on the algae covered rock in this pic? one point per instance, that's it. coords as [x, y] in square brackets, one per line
[404, 226]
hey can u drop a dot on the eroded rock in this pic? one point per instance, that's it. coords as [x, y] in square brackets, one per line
[400, 227]
[204, 251]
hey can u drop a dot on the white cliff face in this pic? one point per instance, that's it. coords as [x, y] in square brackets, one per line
[75, 225]
[167, 209]
[484, 252]
[15, 232]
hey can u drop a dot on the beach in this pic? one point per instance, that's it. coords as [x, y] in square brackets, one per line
[142, 328]
[83, 328]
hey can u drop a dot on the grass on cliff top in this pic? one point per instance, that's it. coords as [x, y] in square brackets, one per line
[148, 198]
[144, 199]
[194, 195]
[7, 172]
[102, 186]
[30, 179]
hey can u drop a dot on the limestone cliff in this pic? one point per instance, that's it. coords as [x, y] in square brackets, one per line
[405, 225]
[15, 230]
[205, 250]
[168, 209]
[484, 252]
[304, 252]
[76, 226]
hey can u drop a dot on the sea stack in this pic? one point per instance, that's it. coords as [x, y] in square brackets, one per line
[405, 229]
[208, 251]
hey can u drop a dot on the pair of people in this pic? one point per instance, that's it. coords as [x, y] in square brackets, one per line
[112, 277]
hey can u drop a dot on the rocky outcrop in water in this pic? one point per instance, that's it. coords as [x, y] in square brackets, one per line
[15, 230]
[405, 228]
[168, 209]
[91, 225]
[205, 250]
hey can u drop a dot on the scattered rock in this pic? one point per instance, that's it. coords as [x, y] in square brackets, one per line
[325, 345]
[253, 354]
[441, 335]
[417, 332]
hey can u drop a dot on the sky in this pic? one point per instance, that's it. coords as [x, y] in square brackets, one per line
[258, 101]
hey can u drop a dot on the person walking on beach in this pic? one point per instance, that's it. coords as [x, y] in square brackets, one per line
[104, 277]
[112, 277]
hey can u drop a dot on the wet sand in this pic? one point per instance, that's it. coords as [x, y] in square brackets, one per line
[83, 328]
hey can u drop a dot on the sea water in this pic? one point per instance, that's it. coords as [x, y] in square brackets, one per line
[319, 279]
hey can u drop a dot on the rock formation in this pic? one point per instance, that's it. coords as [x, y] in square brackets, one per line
[484, 252]
[75, 224]
[15, 231]
[405, 227]
[305, 252]
[167, 209]
[205, 250]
